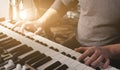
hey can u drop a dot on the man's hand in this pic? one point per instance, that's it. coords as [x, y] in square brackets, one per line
[96, 56]
[30, 25]
[37, 27]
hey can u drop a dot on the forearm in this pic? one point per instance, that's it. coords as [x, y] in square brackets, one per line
[53, 14]
[56, 11]
[114, 51]
[50, 17]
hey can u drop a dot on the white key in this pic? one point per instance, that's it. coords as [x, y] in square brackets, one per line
[10, 65]
[89, 68]
[46, 65]
[80, 67]
[24, 67]
[18, 67]
[111, 68]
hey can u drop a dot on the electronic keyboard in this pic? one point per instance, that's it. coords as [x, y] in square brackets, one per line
[27, 51]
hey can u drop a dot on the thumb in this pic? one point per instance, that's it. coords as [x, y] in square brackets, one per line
[81, 49]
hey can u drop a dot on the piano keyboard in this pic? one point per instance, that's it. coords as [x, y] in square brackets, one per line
[32, 52]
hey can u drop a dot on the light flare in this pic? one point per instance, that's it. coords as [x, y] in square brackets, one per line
[23, 15]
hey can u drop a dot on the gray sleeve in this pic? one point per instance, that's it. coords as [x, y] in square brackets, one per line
[64, 5]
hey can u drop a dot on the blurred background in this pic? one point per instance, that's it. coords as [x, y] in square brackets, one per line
[62, 31]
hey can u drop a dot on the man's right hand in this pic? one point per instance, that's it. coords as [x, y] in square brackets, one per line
[96, 56]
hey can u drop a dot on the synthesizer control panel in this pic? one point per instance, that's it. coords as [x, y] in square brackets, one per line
[27, 51]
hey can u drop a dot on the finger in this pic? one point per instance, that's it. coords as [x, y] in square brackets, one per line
[106, 64]
[31, 28]
[92, 58]
[39, 30]
[81, 49]
[17, 24]
[87, 53]
[97, 61]
[22, 28]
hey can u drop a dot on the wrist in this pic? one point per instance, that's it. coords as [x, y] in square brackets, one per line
[107, 51]
[39, 23]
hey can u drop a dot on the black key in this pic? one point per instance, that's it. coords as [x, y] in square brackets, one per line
[30, 37]
[22, 61]
[54, 49]
[97, 68]
[12, 44]
[68, 55]
[63, 67]
[41, 62]
[3, 36]
[63, 53]
[82, 61]
[41, 43]
[1, 33]
[8, 43]
[20, 33]
[3, 42]
[73, 57]
[1, 59]
[23, 47]
[1, 50]
[35, 59]
[23, 51]
[53, 66]
[7, 39]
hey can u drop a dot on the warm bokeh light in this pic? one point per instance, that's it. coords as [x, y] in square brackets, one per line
[23, 15]
[15, 13]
